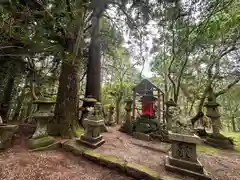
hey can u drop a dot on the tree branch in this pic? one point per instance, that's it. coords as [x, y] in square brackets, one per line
[228, 87]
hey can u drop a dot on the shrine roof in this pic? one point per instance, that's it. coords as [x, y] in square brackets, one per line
[145, 85]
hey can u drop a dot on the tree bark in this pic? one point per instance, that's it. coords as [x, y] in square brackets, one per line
[233, 124]
[20, 100]
[66, 109]
[93, 84]
[118, 111]
[7, 96]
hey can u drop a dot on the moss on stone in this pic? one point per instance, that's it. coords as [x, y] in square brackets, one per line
[168, 178]
[207, 149]
[91, 153]
[40, 142]
[140, 168]
[79, 131]
[114, 161]
[74, 147]
[53, 146]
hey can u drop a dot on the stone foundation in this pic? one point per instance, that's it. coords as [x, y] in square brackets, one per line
[182, 169]
[92, 142]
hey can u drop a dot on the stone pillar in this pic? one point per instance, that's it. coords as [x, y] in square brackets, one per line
[169, 113]
[128, 125]
[40, 138]
[111, 121]
[93, 127]
[183, 156]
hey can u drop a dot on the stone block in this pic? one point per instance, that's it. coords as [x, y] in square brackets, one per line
[184, 138]
[186, 172]
[141, 172]
[92, 142]
[191, 166]
[184, 151]
[142, 136]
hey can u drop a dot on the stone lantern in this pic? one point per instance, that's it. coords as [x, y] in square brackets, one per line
[170, 113]
[128, 124]
[111, 121]
[40, 138]
[214, 115]
[217, 139]
[93, 127]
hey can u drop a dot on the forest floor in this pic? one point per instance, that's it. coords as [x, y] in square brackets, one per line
[221, 165]
[18, 163]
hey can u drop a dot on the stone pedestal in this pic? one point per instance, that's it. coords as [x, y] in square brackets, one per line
[127, 127]
[93, 127]
[183, 156]
[169, 113]
[6, 135]
[111, 121]
[40, 138]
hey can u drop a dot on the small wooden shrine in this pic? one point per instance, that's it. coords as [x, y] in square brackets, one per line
[148, 97]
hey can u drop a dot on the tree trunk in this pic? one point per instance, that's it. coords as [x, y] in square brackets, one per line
[233, 124]
[7, 96]
[93, 84]
[20, 100]
[66, 109]
[118, 111]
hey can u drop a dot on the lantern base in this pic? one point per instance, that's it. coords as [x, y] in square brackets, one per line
[191, 169]
[35, 143]
[92, 142]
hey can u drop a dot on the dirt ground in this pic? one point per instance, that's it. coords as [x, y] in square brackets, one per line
[19, 164]
[221, 166]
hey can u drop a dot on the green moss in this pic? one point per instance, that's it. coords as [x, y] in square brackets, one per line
[236, 138]
[74, 147]
[91, 153]
[40, 142]
[49, 147]
[168, 178]
[79, 131]
[207, 149]
[144, 169]
[114, 160]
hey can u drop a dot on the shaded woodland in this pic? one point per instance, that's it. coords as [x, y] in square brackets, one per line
[72, 49]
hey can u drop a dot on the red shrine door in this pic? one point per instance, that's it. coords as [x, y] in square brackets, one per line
[147, 108]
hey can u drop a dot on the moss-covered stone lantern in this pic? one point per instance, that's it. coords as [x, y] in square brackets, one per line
[44, 113]
[127, 127]
[93, 127]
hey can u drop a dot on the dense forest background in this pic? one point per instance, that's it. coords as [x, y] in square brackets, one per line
[70, 49]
